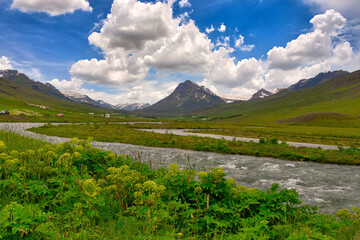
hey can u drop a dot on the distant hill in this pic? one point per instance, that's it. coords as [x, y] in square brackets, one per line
[80, 98]
[132, 106]
[339, 95]
[321, 77]
[187, 98]
[20, 78]
[19, 91]
[304, 83]
[262, 93]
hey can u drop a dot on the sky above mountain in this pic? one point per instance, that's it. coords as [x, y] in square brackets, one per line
[124, 51]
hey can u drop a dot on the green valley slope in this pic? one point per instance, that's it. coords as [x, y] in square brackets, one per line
[18, 92]
[340, 95]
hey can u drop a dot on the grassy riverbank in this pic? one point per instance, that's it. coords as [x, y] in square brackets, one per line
[20, 143]
[75, 191]
[266, 148]
[346, 135]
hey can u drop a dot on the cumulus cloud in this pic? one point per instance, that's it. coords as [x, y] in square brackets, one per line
[210, 29]
[51, 7]
[224, 71]
[139, 36]
[310, 47]
[184, 3]
[222, 28]
[347, 7]
[113, 70]
[73, 85]
[240, 43]
[5, 63]
[329, 22]
[186, 50]
[318, 51]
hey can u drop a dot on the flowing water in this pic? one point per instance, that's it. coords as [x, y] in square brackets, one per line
[331, 187]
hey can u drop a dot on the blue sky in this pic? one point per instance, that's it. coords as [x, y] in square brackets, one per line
[138, 51]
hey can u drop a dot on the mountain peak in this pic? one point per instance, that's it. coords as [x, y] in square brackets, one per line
[9, 72]
[262, 93]
[189, 82]
[187, 97]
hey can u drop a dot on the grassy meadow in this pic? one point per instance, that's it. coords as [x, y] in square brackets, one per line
[127, 133]
[74, 191]
[20, 143]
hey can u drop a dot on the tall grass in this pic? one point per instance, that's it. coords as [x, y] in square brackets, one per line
[20, 143]
[126, 134]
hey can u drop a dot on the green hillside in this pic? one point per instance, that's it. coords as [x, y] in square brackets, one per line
[340, 96]
[23, 97]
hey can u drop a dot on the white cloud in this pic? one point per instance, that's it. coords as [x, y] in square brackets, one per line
[349, 8]
[5, 63]
[133, 24]
[209, 30]
[112, 70]
[240, 43]
[329, 22]
[73, 85]
[139, 36]
[184, 3]
[318, 51]
[223, 71]
[186, 50]
[222, 28]
[223, 42]
[308, 48]
[51, 7]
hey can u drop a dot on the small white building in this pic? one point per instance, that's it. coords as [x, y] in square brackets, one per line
[107, 115]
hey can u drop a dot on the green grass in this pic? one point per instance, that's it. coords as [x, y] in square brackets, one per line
[20, 143]
[75, 191]
[335, 96]
[308, 134]
[270, 148]
[340, 136]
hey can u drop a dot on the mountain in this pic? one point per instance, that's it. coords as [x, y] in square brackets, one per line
[132, 106]
[18, 91]
[228, 98]
[321, 77]
[262, 93]
[188, 97]
[304, 83]
[339, 95]
[80, 98]
[22, 79]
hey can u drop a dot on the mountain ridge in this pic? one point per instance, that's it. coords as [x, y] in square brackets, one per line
[338, 95]
[188, 97]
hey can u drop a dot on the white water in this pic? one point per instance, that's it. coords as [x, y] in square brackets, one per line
[331, 187]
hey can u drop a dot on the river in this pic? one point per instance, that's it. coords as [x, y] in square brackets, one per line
[331, 187]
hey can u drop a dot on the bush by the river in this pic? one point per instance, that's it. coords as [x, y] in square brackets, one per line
[75, 191]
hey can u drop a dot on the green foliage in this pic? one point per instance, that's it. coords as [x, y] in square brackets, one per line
[75, 191]
[16, 142]
[265, 148]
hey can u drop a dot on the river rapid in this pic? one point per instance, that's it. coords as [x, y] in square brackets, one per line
[330, 187]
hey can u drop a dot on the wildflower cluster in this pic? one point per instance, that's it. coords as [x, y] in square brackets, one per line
[72, 190]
